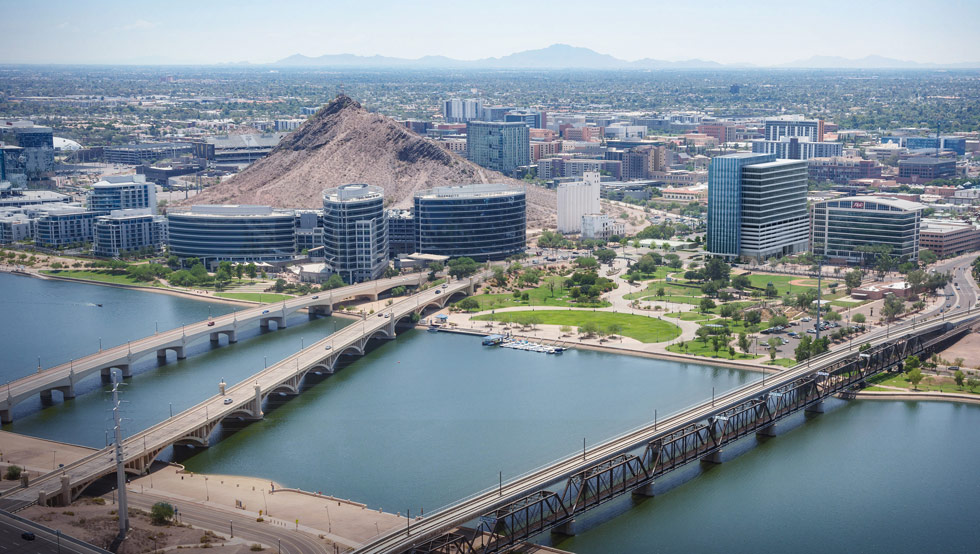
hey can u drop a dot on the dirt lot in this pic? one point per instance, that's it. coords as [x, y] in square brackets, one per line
[967, 348]
[95, 521]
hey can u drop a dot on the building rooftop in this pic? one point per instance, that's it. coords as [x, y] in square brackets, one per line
[775, 163]
[905, 205]
[470, 191]
[116, 180]
[353, 192]
[265, 140]
[229, 210]
[922, 160]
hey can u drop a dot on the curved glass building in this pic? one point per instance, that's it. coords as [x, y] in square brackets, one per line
[355, 232]
[481, 221]
[232, 233]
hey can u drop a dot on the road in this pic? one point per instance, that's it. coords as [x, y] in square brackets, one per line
[281, 540]
[44, 543]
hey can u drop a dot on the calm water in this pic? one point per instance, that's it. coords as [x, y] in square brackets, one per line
[430, 418]
[868, 476]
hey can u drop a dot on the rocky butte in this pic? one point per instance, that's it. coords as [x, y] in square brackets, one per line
[345, 143]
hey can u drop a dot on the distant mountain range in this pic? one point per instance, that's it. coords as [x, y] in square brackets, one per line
[563, 56]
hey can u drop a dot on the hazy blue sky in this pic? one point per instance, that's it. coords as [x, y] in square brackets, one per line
[762, 32]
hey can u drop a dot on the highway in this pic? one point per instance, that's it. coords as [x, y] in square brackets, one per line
[475, 506]
[63, 377]
[44, 542]
[244, 399]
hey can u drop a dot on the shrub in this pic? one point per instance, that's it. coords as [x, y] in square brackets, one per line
[13, 473]
[161, 513]
[256, 547]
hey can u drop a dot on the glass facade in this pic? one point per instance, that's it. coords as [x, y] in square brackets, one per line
[355, 232]
[501, 147]
[483, 222]
[844, 229]
[232, 233]
[775, 220]
[725, 201]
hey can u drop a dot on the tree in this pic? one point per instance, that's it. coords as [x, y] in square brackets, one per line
[771, 291]
[614, 329]
[753, 318]
[717, 270]
[773, 343]
[280, 285]
[915, 377]
[743, 342]
[707, 305]
[832, 316]
[334, 282]
[586, 262]
[661, 292]
[893, 307]
[779, 320]
[463, 267]
[703, 333]
[716, 344]
[803, 349]
[162, 513]
[468, 304]
[858, 318]
[727, 310]
[972, 383]
[864, 347]
[251, 270]
[805, 299]
[13, 473]
[927, 257]
[959, 377]
[589, 328]
[499, 276]
[852, 279]
[912, 362]
[741, 282]
[605, 255]
[916, 279]
[239, 271]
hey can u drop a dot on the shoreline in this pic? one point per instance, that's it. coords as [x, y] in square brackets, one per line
[924, 396]
[627, 351]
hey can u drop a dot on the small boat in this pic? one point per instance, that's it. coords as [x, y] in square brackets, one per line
[98, 305]
[433, 328]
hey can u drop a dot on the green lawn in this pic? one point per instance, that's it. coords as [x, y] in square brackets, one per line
[102, 276]
[690, 316]
[785, 362]
[783, 287]
[698, 348]
[542, 295]
[641, 328]
[660, 273]
[737, 326]
[669, 289]
[254, 296]
[928, 383]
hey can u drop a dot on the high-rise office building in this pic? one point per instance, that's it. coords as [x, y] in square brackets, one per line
[794, 126]
[576, 200]
[231, 233]
[757, 206]
[798, 148]
[498, 146]
[355, 232]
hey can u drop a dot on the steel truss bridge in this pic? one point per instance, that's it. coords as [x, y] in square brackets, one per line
[551, 498]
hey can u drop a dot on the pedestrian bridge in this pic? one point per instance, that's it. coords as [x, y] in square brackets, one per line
[241, 402]
[549, 499]
[64, 377]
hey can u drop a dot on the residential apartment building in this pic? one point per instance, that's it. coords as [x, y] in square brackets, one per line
[123, 193]
[501, 147]
[355, 232]
[64, 226]
[462, 111]
[843, 228]
[601, 226]
[794, 126]
[124, 231]
[797, 148]
[551, 168]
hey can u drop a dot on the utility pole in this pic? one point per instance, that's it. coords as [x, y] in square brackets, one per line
[819, 305]
[120, 467]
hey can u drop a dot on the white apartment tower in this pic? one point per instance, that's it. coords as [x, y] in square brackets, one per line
[576, 200]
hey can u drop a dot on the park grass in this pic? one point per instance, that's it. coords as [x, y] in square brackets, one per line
[101, 276]
[660, 274]
[642, 328]
[785, 362]
[928, 383]
[541, 295]
[782, 283]
[698, 348]
[669, 289]
[254, 296]
[690, 316]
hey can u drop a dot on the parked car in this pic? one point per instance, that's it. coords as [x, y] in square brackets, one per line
[811, 331]
[807, 318]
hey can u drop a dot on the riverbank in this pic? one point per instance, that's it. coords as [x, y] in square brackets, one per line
[926, 396]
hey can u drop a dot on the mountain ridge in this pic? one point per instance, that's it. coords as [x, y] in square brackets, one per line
[564, 56]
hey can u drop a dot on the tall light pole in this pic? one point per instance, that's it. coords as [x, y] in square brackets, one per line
[123, 511]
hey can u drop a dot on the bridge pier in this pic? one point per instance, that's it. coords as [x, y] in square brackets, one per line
[645, 491]
[816, 408]
[46, 397]
[257, 403]
[179, 350]
[566, 529]
[767, 431]
[6, 415]
[106, 372]
[713, 458]
[280, 322]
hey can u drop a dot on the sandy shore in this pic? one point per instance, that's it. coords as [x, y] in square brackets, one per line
[37, 456]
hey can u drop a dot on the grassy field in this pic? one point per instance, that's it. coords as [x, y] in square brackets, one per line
[689, 316]
[669, 289]
[928, 383]
[785, 362]
[660, 273]
[254, 296]
[698, 348]
[641, 328]
[102, 276]
[783, 286]
[539, 296]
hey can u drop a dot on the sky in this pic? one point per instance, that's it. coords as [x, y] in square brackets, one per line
[761, 32]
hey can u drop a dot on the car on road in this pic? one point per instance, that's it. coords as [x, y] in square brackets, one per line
[793, 334]
[380, 314]
[388, 315]
[438, 291]
[785, 341]
[265, 312]
[210, 324]
[316, 297]
[327, 347]
[27, 536]
[228, 400]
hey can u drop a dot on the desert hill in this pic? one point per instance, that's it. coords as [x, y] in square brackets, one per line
[344, 143]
